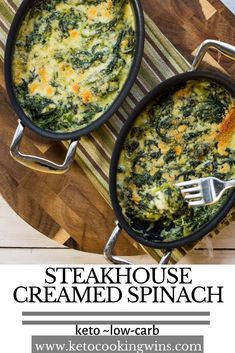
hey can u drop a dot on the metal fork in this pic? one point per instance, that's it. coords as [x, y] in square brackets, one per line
[205, 191]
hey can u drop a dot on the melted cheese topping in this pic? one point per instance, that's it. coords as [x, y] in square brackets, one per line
[71, 60]
[187, 134]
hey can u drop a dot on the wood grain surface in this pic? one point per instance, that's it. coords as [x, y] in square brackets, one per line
[21, 244]
[186, 23]
[68, 208]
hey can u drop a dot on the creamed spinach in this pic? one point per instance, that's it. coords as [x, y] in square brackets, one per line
[184, 135]
[71, 60]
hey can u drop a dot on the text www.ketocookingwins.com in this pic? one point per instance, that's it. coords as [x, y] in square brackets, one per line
[161, 344]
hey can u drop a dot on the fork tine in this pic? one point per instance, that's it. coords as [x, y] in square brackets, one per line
[197, 203]
[189, 183]
[193, 196]
[189, 190]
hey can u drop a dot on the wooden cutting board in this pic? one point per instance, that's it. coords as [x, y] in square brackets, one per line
[68, 208]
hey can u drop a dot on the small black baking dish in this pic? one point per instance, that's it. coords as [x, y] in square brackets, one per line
[42, 164]
[162, 89]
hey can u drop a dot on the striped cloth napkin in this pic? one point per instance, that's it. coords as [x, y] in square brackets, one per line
[161, 61]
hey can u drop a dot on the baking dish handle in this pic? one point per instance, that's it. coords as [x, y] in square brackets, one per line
[38, 163]
[165, 258]
[108, 250]
[117, 260]
[224, 48]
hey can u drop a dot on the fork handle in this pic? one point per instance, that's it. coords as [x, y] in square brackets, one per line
[229, 184]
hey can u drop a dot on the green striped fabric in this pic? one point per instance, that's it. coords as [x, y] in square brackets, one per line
[161, 60]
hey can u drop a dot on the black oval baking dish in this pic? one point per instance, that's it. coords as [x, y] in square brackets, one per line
[161, 90]
[24, 121]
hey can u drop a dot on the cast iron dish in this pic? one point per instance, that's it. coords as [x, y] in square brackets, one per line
[25, 121]
[162, 90]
